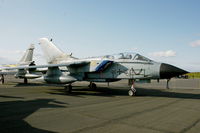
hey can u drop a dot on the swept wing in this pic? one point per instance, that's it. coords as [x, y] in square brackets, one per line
[73, 63]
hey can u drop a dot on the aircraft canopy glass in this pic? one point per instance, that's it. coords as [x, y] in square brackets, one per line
[132, 56]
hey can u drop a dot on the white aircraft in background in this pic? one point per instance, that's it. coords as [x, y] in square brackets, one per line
[108, 68]
[26, 60]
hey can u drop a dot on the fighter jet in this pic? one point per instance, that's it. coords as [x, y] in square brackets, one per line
[107, 68]
[26, 60]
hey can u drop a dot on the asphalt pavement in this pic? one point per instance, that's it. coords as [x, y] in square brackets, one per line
[39, 108]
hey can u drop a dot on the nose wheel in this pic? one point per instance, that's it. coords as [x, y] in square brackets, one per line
[132, 91]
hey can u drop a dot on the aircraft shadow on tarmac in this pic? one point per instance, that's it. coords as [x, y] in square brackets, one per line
[81, 92]
[31, 84]
[4, 96]
[110, 92]
[166, 93]
[13, 114]
[37, 85]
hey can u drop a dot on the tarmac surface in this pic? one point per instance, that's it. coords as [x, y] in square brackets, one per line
[37, 108]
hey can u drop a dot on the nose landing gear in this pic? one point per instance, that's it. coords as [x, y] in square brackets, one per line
[132, 91]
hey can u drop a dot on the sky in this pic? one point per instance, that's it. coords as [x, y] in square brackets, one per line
[163, 30]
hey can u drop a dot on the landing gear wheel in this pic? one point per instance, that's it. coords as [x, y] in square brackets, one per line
[131, 93]
[25, 81]
[68, 89]
[92, 86]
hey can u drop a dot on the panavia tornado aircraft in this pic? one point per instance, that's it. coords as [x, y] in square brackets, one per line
[26, 60]
[108, 68]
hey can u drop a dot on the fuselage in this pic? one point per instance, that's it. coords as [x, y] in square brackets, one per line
[111, 68]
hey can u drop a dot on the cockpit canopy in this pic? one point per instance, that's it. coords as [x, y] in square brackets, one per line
[130, 56]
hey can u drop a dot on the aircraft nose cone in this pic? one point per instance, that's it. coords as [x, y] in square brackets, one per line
[168, 71]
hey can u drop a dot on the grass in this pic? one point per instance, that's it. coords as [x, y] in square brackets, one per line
[193, 75]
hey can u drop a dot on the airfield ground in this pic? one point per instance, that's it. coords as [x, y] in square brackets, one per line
[37, 108]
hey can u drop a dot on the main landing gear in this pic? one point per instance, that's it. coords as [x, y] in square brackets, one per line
[68, 88]
[92, 85]
[132, 91]
[25, 81]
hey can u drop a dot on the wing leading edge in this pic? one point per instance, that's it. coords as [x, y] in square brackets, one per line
[74, 63]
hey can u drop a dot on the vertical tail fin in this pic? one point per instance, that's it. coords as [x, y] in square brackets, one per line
[51, 52]
[27, 58]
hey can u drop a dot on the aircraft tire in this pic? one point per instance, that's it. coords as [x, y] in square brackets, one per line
[25, 81]
[93, 86]
[68, 89]
[131, 93]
